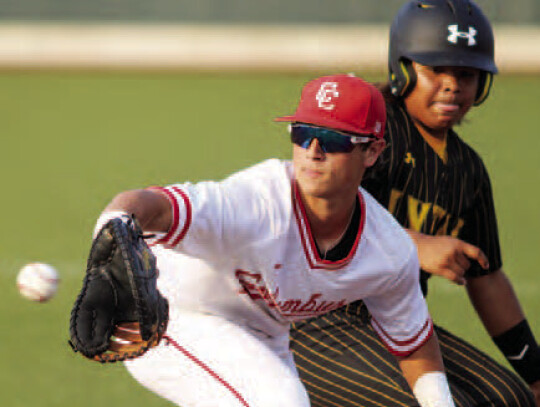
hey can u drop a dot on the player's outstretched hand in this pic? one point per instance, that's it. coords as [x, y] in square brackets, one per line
[119, 313]
[447, 256]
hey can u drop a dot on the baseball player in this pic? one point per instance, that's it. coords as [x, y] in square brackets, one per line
[441, 63]
[279, 242]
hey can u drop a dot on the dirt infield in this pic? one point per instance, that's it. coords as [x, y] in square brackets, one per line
[222, 47]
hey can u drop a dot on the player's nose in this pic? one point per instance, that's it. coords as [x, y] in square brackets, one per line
[315, 150]
[450, 81]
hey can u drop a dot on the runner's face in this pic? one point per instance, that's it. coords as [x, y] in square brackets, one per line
[442, 95]
[328, 175]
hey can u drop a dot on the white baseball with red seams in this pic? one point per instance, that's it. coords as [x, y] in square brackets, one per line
[239, 264]
[38, 281]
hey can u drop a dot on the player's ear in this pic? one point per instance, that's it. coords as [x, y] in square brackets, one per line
[373, 151]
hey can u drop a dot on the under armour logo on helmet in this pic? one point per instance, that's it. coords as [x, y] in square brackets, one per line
[455, 34]
[327, 91]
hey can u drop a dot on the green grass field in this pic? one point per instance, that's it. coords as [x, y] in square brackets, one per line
[71, 141]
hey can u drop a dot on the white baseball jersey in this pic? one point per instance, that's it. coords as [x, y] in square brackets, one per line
[263, 266]
[239, 264]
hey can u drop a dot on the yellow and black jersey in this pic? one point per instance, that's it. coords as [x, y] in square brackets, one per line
[434, 193]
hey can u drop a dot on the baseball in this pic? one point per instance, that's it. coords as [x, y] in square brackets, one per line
[38, 281]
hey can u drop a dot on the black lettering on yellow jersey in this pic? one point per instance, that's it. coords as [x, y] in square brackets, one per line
[434, 197]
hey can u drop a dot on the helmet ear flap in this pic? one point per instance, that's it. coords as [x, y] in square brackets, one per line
[403, 81]
[484, 85]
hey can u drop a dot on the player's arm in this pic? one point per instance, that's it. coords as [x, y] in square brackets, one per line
[498, 307]
[401, 319]
[495, 302]
[493, 296]
[424, 372]
[151, 208]
[446, 256]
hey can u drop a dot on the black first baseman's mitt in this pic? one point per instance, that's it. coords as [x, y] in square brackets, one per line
[119, 313]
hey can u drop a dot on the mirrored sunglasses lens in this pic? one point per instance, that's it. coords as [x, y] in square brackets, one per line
[330, 141]
[336, 143]
[301, 136]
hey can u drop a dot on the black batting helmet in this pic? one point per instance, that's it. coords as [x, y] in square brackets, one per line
[440, 33]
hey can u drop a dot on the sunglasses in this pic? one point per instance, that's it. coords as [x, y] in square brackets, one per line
[331, 141]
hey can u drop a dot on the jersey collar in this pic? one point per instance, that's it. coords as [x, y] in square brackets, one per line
[307, 240]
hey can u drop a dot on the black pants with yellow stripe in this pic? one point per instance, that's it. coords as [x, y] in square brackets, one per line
[343, 363]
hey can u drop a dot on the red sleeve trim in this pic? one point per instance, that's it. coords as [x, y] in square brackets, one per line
[406, 347]
[173, 237]
[187, 222]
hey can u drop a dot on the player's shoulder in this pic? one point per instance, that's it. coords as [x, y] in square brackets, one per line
[262, 168]
[264, 188]
[383, 230]
[264, 176]
[462, 144]
[465, 154]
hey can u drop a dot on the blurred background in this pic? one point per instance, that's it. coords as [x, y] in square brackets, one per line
[212, 34]
[238, 11]
[98, 97]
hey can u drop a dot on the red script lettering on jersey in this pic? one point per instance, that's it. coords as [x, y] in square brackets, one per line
[253, 286]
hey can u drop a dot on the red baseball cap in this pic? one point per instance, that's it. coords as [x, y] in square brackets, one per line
[341, 102]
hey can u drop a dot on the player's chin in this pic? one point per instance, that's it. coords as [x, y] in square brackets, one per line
[449, 120]
[446, 121]
[309, 178]
[315, 188]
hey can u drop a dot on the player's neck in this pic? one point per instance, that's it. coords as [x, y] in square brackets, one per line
[436, 139]
[328, 219]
